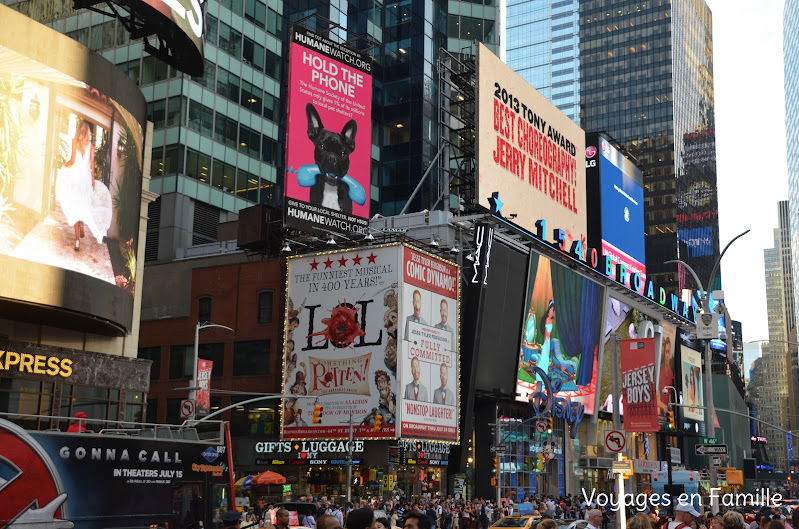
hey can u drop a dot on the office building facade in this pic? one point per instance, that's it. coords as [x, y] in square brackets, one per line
[542, 44]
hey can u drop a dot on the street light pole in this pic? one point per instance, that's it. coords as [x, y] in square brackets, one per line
[710, 426]
[193, 388]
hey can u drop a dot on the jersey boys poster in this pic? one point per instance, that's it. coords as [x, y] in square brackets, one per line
[638, 384]
[429, 367]
[341, 343]
[329, 143]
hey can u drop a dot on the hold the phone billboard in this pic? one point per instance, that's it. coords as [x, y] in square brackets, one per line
[560, 331]
[430, 367]
[329, 139]
[528, 152]
[71, 146]
[341, 343]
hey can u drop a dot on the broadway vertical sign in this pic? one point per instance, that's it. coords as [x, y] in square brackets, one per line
[638, 385]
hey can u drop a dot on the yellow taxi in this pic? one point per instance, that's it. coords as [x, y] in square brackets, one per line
[527, 521]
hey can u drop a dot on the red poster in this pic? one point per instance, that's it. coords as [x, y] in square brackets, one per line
[203, 405]
[638, 385]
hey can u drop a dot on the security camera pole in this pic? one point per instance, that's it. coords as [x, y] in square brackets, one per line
[710, 417]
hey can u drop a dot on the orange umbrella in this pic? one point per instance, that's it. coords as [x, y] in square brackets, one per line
[268, 478]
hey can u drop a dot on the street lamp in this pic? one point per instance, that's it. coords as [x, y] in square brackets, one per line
[710, 426]
[193, 388]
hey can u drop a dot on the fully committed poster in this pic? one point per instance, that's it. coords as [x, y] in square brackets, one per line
[329, 143]
[341, 343]
[430, 391]
[638, 384]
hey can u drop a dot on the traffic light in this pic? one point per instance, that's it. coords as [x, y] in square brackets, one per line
[670, 424]
[317, 414]
[495, 466]
[549, 424]
[378, 422]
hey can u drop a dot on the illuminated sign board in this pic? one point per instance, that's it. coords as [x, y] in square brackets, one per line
[12, 361]
[328, 143]
[529, 153]
[177, 24]
[616, 206]
[71, 160]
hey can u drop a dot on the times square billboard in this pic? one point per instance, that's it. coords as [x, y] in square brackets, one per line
[616, 208]
[71, 160]
[328, 143]
[372, 332]
[530, 155]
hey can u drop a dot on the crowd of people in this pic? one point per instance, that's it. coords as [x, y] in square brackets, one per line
[453, 513]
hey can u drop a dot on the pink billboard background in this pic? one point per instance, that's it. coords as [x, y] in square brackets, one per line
[339, 92]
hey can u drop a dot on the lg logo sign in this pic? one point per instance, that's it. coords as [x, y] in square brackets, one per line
[194, 16]
[590, 152]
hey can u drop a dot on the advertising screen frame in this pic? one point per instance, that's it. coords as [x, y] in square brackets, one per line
[528, 152]
[639, 380]
[73, 78]
[328, 132]
[691, 364]
[618, 184]
[539, 298]
[437, 283]
[327, 292]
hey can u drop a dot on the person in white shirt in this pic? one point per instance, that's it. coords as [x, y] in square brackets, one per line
[594, 519]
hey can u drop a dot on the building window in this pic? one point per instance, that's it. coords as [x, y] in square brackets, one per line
[215, 352]
[151, 415]
[134, 406]
[265, 307]
[28, 398]
[181, 358]
[204, 309]
[251, 358]
[255, 12]
[153, 354]
[249, 142]
[173, 410]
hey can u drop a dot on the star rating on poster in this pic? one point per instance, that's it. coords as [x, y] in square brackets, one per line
[343, 261]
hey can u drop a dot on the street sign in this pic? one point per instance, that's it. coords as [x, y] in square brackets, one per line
[186, 408]
[676, 456]
[707, 326]
[499, 449]
[541, 427]
[623, 467]
[615, 441]
[706, 450]
[710, 440]
[716, 460]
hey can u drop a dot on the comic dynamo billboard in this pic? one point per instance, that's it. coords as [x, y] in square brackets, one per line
[530, 155]
[71, 145]
[329, 139]
[360, 340]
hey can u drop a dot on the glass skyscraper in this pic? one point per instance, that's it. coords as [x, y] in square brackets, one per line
[542, 45]
[790, 44]
[646, 78]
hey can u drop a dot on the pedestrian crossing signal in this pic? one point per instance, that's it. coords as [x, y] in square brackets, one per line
[378, 422]
[317, 414]
[493, 482]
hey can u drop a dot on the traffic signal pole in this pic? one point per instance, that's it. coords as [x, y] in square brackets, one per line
[614, 358]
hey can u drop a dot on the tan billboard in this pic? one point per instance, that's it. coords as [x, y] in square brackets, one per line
[529, 153]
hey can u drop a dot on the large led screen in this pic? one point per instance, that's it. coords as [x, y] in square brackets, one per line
[560, 331]
[529, 153]
[341, 343]
[70, 175]
[329, 143]
[616, 209]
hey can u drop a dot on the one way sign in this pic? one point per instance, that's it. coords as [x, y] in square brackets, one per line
[706, 450]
